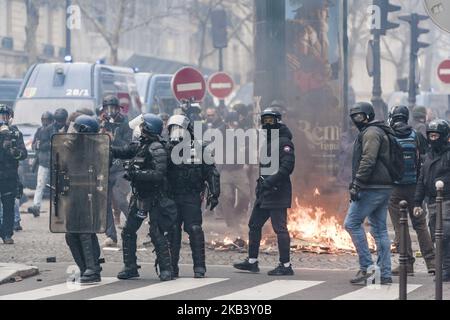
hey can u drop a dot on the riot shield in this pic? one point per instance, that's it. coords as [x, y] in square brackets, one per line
[79, 176]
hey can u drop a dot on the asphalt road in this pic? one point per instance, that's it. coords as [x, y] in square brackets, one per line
[222, 283]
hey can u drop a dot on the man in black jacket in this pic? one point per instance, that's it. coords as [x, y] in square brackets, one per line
[370, 191]
[12, 150]
[43, 162]
[436, 168]
[273, 195]
[58, 126]
[414, 148]
[115, 124]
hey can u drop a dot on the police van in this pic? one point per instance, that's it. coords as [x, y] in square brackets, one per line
[156, 93]
[73, 86]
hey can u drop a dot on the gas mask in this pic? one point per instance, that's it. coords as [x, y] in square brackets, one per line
[110, 112]
[4, 123]
[270, 123]
[177, 134]
[436, 141]
[359, 120]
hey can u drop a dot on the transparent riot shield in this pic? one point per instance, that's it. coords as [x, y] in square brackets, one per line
[79, 183]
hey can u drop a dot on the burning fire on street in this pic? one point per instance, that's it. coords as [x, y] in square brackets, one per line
[312, 230]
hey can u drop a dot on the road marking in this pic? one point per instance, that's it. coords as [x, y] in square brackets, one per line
[389, 292]
[55, 290]
[161, 289]
[269, 291]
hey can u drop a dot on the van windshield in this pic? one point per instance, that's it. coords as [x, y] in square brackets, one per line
[60, 80]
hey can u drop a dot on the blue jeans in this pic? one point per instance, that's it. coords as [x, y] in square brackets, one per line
[373, 205]
[16, 212]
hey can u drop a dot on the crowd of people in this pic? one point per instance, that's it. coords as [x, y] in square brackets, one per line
[390, 162]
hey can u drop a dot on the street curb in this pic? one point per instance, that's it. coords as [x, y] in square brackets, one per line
[11, 272]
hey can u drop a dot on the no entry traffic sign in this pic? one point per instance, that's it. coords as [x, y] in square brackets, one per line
[444, 71]
[220, 85]
[188, 84]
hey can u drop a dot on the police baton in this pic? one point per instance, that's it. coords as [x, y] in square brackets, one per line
[439, 234]
[403, 251]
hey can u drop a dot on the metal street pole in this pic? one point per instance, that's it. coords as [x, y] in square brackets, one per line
[403, 250]
[377, 99]
[221, 102]
[68, 31]
[439, 235]
[346, 76]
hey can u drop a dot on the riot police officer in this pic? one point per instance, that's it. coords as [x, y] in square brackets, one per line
[84, 247]
[115, 124]
[187, 181]
[436, 167]
[12, 150]
[147, 172]
[273, 197]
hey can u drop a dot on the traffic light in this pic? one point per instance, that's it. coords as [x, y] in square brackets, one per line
[414, 20]
[384, 9]
[219, 28]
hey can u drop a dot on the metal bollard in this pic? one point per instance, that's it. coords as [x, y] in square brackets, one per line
[439, 235]
[403, 250]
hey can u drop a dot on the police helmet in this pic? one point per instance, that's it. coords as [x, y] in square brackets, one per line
[399, 114]
[365, 108]
[86, 124]
[152, 124]
[61, 115]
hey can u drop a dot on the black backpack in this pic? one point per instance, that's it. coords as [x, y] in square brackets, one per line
[395, 164]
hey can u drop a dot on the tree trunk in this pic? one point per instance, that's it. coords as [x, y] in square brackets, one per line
[30, 31]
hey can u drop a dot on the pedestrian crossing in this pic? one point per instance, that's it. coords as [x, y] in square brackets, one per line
[213, 288]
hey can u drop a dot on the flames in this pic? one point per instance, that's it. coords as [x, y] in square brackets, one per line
[318, 232]
[311, 230]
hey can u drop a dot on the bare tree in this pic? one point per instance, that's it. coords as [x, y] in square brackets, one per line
[123, 18]
[31, 29]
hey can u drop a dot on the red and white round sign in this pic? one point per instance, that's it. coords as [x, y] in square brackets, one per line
[188, 83]
[444, 71]
[220, 85]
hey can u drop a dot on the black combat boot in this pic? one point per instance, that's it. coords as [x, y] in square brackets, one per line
[129, 257]
[74, 243]
[197, 242]
[175, 246]
[162, 251]
[92, 273]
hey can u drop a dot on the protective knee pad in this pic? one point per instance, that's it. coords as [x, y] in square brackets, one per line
[194, 229]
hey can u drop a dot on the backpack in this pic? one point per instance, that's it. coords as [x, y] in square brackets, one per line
[410, 159]
[395, 163]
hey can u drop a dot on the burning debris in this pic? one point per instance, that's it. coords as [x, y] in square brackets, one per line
[311, 231]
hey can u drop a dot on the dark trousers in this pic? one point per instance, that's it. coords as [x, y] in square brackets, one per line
[419, 224]
[189, 215]
[446, 228]
[278, 218]
[8, 189]
[111, 231]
